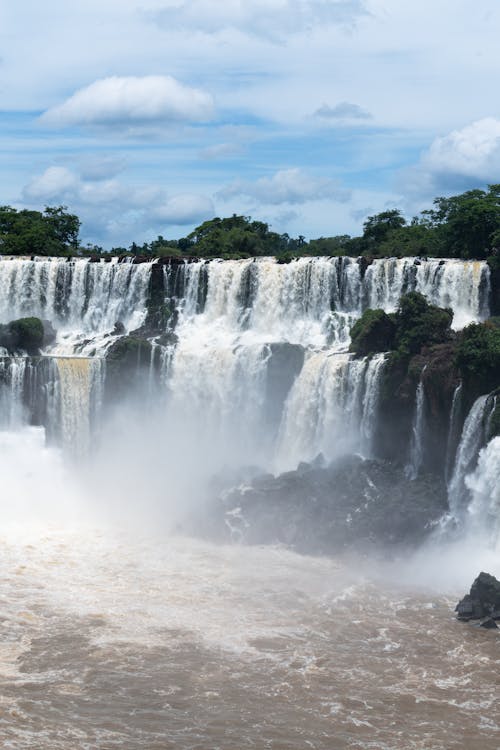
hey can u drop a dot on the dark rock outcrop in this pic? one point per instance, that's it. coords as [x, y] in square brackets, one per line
[352, 504]
[482, 601]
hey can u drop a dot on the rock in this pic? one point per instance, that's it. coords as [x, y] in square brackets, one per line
[489, 623]
[119, 329]
[49, 333]
[482, 601]
[469, 609]
[350, 504]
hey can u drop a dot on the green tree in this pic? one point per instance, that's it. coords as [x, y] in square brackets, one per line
[376, 228]
[468, 225]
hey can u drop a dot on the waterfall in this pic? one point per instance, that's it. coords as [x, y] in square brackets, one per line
[230, 317]
[453, 430]
[370, 403]
[462, 285]
[79, 393]
[416, 458]
[471, 441]
[484, 486]
[12, 372]
[330, 408]
[79, 297]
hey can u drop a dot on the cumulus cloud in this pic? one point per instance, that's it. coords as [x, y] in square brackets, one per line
[293, 186]
[473, 151]
[269, 18]
[465, 158]
[132, 100]
[343, 111]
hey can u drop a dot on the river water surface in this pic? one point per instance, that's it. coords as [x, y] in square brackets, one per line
[113, 642]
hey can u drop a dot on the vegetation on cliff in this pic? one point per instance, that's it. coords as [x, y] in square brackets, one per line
[24, 334]
[415, 324]
[460, 226]
[478, 357]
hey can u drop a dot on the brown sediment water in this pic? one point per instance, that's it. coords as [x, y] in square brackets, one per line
[146, 644]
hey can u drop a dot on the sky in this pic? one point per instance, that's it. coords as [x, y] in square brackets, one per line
[147, 117]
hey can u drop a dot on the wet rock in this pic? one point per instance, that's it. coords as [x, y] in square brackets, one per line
[489, 623]
[49, 333]
[482, 601]
[351, 504]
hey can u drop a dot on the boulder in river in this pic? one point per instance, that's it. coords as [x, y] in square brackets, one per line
[482, 601]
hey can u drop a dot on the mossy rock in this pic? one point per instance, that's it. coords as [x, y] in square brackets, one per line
[478, 358]
[373, 332]
[24, 334]
[420, 324]
[129, 351]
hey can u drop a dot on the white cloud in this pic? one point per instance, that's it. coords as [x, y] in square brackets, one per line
[268, 18]
[463, 159]
[293, 186]
[132, 100]
[54, 183]
[473, 151]
[343, 111]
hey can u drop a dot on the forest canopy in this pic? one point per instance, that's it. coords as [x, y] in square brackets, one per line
[460, 226]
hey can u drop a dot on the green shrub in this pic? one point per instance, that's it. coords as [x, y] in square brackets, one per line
[27, 334]
[478, 356]
[420, 324]
[373, 332]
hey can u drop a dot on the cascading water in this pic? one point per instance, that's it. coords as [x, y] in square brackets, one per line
[484, 486]
[80, 298]
[472, 440]
[231, 311]
[12, 372]
[371, 399]
[453, 431]
[417, 437]
[80, 394]
[331, 408]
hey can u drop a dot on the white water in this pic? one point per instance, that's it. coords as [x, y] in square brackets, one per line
[83, 300]
[473, 435]
[331, 409]
[484, 485]
[418, 433]
[371, 399]
[452, 440]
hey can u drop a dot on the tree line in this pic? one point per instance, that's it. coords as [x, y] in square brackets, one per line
[460, 226]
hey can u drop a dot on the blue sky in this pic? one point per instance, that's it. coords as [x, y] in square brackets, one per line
[147, 117]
